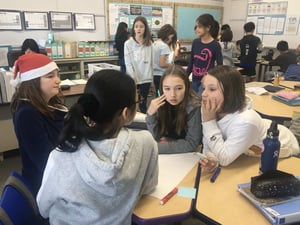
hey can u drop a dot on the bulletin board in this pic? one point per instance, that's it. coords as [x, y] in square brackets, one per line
[186, 15]
[156, 13]
[275, 20]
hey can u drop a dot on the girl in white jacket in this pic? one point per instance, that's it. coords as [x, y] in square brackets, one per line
[100, 169]
[230, 127]
[138, 55]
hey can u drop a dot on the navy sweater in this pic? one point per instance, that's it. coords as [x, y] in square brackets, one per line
[37, 136]
[204, 57]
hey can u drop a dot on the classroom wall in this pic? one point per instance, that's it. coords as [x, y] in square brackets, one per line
[235, 12]
[97, 7]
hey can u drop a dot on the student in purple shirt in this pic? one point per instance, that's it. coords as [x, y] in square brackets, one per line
[206, 51]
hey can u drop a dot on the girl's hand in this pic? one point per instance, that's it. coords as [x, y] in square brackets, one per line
[210, 163]
[156, 104]
[210, 108]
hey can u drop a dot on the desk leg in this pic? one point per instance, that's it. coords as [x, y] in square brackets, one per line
[259, 72]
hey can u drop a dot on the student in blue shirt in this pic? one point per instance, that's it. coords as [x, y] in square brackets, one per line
[206, 51]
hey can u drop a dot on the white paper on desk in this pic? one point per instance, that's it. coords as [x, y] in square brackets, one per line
[79, 81]
[139, 118]
[67, 82]
[257, 90]
[172, 169]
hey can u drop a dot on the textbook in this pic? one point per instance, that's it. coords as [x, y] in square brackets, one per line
[278, 211]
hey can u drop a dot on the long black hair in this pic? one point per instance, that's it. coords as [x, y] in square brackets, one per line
[121, 31]
[96, 115]
[29, 44]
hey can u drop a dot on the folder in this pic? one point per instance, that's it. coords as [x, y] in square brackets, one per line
[277, 211]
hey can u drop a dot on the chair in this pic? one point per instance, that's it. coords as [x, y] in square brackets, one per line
[292, 73]
[18, 205]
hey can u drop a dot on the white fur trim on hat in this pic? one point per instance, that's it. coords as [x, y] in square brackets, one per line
[38, 72]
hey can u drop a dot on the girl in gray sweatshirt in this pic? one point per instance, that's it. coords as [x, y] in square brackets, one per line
[138, 55]
[174, 118]
[100, 169]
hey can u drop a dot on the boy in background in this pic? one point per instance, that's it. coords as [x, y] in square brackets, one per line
[250, 45]
[285, 59]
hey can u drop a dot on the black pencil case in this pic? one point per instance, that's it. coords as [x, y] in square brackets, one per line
[275, 184]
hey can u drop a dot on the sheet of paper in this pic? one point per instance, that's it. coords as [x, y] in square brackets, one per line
[172, 169]
[67, 82]
[187, 192]
[140, 117]
[79, 81]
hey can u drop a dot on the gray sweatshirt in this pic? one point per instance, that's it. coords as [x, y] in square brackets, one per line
[101, 182]
[193, 136]
[139, 61]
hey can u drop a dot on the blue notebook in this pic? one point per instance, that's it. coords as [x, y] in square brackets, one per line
[294, 102]
[277, 211]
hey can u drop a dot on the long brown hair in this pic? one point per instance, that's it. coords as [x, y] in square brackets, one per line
[31, 91]
[233, 88]
[147, 33]
[164, 32]
[165, 117]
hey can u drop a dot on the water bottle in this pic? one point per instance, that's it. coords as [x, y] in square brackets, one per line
[270, 153]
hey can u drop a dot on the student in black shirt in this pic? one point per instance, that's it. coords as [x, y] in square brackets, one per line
[120, 38]
[285, 59]
[250, 45]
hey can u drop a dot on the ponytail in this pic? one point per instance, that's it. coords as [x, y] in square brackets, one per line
[96, 115]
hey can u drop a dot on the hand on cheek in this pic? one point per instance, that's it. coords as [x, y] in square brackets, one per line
[210, 108]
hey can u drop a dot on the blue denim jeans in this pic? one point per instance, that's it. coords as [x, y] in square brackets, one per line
[196, 85]
[144, 91]
[122, 65]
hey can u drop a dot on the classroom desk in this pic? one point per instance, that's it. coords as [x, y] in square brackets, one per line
[270, 108]
[288, 84]
[221, 202]
[148, 211]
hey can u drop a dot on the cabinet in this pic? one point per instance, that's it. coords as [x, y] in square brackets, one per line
[77, 68]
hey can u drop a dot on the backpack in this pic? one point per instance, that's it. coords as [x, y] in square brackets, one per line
[292, 72]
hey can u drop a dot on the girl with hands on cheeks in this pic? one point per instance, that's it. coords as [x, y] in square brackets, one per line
[230, 127]
[174, 119]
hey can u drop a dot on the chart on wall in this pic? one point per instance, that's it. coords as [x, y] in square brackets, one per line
[156, 15]
[270, 18]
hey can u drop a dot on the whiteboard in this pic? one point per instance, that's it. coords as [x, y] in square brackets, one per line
[275, 21]
[186, 15]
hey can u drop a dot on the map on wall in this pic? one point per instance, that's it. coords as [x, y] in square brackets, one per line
[156, 15]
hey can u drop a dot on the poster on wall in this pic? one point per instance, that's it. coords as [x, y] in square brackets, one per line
[10, 20]
[291, 26]
[269, 17]
[156, 16]
[84, 21]
[61, 21]
[36, 20]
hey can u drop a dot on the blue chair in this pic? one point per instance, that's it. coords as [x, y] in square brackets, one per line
[18, 205]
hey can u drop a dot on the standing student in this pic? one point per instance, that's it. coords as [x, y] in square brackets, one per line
[120, 38]
[227, 47]
[250, 45]
[162, 48]
[206, 51]
[230, 127]
[138, 54]
[29, 46]
[38, 113]
[100, 169]
[284, 59]
[174, 118]
[224, 27]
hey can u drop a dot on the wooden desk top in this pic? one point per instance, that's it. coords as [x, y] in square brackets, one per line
[222, 202]
[74, 90]
[267, 106]
[288, 84]
[149, 208]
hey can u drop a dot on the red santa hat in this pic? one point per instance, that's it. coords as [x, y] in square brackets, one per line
[31, 66]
